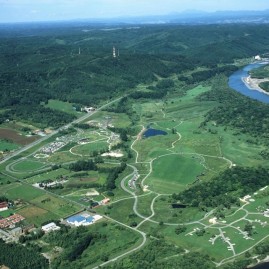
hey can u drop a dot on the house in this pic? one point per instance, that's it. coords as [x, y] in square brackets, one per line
[257, 58]
[105, 201]
[50, 227]
[3, 206]
[266, 213]
[11, 221]
[89, 109]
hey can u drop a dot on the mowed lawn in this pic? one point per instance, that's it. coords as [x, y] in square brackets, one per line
[27, 166]
[62, 106]
[87, 149]
[24, 192]
[172, 173]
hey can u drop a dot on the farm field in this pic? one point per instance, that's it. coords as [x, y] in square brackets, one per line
[15, 137]
[36, 215]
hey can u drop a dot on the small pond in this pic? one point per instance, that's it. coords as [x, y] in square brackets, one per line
[178, 206]
[152, 132]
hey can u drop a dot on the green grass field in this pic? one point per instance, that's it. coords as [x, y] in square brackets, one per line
[173, 173]
[62, 106]
[121, 211]
[7, 213]
[118, 240]
[7, 146]
[47, 175]
[27, 166]
[36, 215]
[91, 177]
[57, 206]
[62, 157]
[87, 149]
[24, 192]
[151, 147]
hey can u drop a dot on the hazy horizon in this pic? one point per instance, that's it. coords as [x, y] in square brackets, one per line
[51, 10]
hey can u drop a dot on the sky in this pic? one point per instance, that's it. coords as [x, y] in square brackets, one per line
[50, 10]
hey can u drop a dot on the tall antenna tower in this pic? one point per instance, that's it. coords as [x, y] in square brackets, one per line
[114, 52]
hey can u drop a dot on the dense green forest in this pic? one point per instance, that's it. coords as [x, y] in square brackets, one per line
[160, 255]
[74, 242]
[240, 112]
[265, 86]
[25, 257]
[225, 189]
[41, 64]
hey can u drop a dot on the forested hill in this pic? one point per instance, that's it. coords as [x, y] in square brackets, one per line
[43, 62]
[237, 111]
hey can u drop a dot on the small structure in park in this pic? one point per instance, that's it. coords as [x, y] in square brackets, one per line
[105, 201]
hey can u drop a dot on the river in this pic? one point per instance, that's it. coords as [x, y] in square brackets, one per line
[236, 83]
[261, 266]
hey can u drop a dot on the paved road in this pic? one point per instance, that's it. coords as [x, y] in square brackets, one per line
[57, 131]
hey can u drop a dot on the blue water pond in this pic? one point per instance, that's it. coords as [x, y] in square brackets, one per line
[152, 132]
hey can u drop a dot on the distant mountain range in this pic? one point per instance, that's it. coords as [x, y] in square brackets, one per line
[193, 17]
[188, 17]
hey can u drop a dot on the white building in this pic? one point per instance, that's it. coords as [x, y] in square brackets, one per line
[50, 227]
[84, 219]
[266, 213]
[89, 109]
[257, 58]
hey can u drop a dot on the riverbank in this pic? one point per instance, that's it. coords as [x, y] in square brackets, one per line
[261, 264]
[253, 84]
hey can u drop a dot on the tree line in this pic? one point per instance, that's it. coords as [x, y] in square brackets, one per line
[224, 189]
[20, 257]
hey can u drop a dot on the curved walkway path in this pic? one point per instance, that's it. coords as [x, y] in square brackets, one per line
[200, 221]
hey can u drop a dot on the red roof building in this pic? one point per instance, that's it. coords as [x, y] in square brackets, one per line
[11, 220]
[3, 206]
